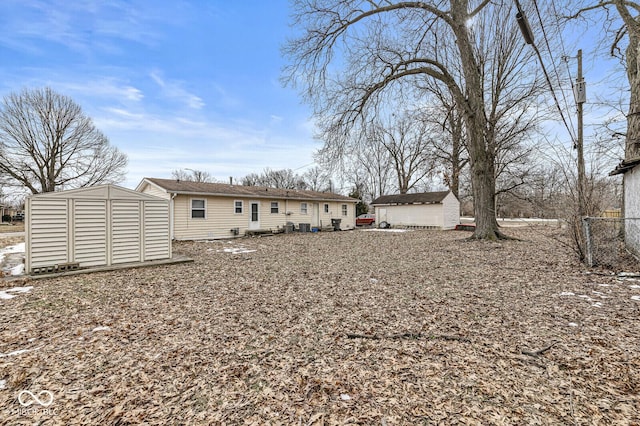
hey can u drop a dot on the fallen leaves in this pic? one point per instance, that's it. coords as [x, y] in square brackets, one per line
[422, 327]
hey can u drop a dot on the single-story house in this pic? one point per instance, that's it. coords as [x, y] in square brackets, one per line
[630, 169]
[426, 209]
[102, 225]
[201, 210]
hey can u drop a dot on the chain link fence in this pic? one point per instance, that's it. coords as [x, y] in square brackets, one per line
[605, 242]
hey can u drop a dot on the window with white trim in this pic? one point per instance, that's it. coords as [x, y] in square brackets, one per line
[238, 206]
[303, 208]
[344, 210]
[198, 208]
[326, 208]
[275, 207]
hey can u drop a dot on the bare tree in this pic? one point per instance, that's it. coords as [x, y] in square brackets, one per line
[191, 175]
[396, 45]
[317, 179]
[407, 140]
[284, 179]
[620, 19]
[448, 144]
[47, 143]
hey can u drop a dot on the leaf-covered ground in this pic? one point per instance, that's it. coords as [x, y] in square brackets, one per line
[359, 327]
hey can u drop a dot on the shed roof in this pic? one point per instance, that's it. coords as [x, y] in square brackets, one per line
[417, 198]
[106, 191]
[227, 190]
[625, 166]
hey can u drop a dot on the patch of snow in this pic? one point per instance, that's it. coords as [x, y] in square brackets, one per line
[567, 293]
[101, 328]
[604, 285]
[236, 250]
[636, 298]
[18, 248]
[345, 397]
[584, 296]
[572, 324]
[634, 286]
[18, 352]
[385, 230]
[597, 305]
[3, 384]
[373, 280]
[628, 274]
[5, 294]
[18, 269]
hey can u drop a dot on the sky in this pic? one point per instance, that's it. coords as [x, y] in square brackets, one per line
[173, 84]
[188, 84]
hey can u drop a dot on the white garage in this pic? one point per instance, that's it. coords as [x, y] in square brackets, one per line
[97, 226]
[439, 210]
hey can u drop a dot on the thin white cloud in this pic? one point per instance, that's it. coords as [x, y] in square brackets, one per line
[109, 88]
[174, 90]
[84, 26]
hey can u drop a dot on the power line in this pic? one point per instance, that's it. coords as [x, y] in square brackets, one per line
[528, 37]
[555, 69]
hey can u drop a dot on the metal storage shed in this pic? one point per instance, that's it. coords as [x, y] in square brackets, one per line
[96, 226]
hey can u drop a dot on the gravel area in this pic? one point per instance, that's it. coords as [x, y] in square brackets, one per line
[359, 327]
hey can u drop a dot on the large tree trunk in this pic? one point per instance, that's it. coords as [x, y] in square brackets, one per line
[479, 144]
[632, 145]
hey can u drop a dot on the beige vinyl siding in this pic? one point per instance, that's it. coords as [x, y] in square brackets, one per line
[156, 231]
[95, 226]
[155, 191]
[48, 238]
[90, 232]
[220, 216]
[125, 237]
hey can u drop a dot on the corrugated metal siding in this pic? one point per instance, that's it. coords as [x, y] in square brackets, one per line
[90, 232]
[48, 243]
[156, 230]
[125, 231]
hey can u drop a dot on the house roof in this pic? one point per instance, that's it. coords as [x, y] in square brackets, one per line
[226, 190]
[625, 166]
[417, 198]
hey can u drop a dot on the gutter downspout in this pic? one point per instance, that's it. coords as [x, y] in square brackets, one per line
[171, 215]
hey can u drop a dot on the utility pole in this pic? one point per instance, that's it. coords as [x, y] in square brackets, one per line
[580, 94]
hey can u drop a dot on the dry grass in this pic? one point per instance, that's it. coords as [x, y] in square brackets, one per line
[332, 328]
[12, 227]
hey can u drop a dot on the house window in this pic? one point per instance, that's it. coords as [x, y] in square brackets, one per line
[326, 208]
[303, 208]
[198, 209]
[344, 210]
[237, 205]
[275, 208]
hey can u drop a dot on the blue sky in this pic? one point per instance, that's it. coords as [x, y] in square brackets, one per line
[173, 84]
[190, 84]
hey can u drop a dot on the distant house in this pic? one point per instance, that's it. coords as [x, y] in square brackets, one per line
[426, 209]
[630, 169]
[216, 210]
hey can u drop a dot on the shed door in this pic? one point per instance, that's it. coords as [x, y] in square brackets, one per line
[254, 215]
